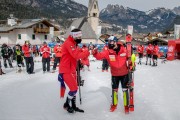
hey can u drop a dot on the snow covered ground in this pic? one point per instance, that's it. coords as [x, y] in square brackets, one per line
[36, 97]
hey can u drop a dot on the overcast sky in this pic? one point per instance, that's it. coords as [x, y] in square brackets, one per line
[143, 5]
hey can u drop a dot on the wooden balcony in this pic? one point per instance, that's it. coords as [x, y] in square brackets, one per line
[41, 30]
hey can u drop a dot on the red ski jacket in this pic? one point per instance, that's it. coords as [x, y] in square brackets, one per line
[85, 61]
[117, 62]
[71, 53]
[26, 50]
[45, 51]
[140, 49]
[156, 50]
[149, 49]
[57, 51]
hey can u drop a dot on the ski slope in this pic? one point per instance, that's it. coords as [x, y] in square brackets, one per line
[36, 97]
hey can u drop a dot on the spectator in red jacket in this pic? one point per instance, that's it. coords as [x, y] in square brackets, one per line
[71, 53]
[140, 51]
[45, 51]
[58, 55]
[28, 55]
[149, 51]
[105, 64]
[85, 61]
[116, 55]
[155, 54]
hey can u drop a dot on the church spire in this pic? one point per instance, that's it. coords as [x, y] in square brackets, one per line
[93, 14]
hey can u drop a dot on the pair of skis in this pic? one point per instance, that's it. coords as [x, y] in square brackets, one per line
[130, 74]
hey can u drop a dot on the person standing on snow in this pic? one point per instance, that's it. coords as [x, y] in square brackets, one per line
[45, 51]
[117, 58]
[105, 64]
[155, 54]
[85, 61]
[140, 51]
[6, 54]
[58, 55]
[28, 55]
[149, 50]
[71, 53]
[19, 57]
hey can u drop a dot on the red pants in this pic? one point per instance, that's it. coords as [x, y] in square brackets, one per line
[71, 81]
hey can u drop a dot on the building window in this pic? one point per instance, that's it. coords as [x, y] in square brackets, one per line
[94, 6]
[94, 14]
[41, 25]
[33, 36]
[45, 37]
[37, 25]
[19, 36]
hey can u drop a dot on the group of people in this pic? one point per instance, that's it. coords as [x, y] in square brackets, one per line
[152, 52]
[114, 53]
[26, 53]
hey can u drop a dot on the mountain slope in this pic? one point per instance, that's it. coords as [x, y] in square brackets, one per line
[153, 20]
[42, 8]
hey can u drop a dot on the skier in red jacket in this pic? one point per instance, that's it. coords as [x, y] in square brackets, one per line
[28, 55]
[105, 64]
[86, 60]
[155, 54]
[58, 54]
[116, 56]
[149, 50]
[71, 53]
[45, 51]
[140, 51]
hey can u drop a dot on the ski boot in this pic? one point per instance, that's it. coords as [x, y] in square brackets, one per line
[126, 109]
[114, 100]
[76, 109]
[67, 106]
[113, 108]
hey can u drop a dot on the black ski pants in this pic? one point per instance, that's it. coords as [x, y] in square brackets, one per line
[105, 65]
[5, 62]
[124, 81]
[29, 64]
[46, 64]
[56, 61]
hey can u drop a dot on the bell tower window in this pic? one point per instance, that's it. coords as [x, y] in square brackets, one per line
[94, 6]
[94, 14]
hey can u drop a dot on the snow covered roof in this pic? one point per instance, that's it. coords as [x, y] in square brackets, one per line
[25, 24]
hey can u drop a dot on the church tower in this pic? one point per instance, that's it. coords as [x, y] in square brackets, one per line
[93, 14]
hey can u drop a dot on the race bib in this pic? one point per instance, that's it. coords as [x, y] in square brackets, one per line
[112, 58]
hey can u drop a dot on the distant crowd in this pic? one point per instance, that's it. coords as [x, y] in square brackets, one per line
[26, 52]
